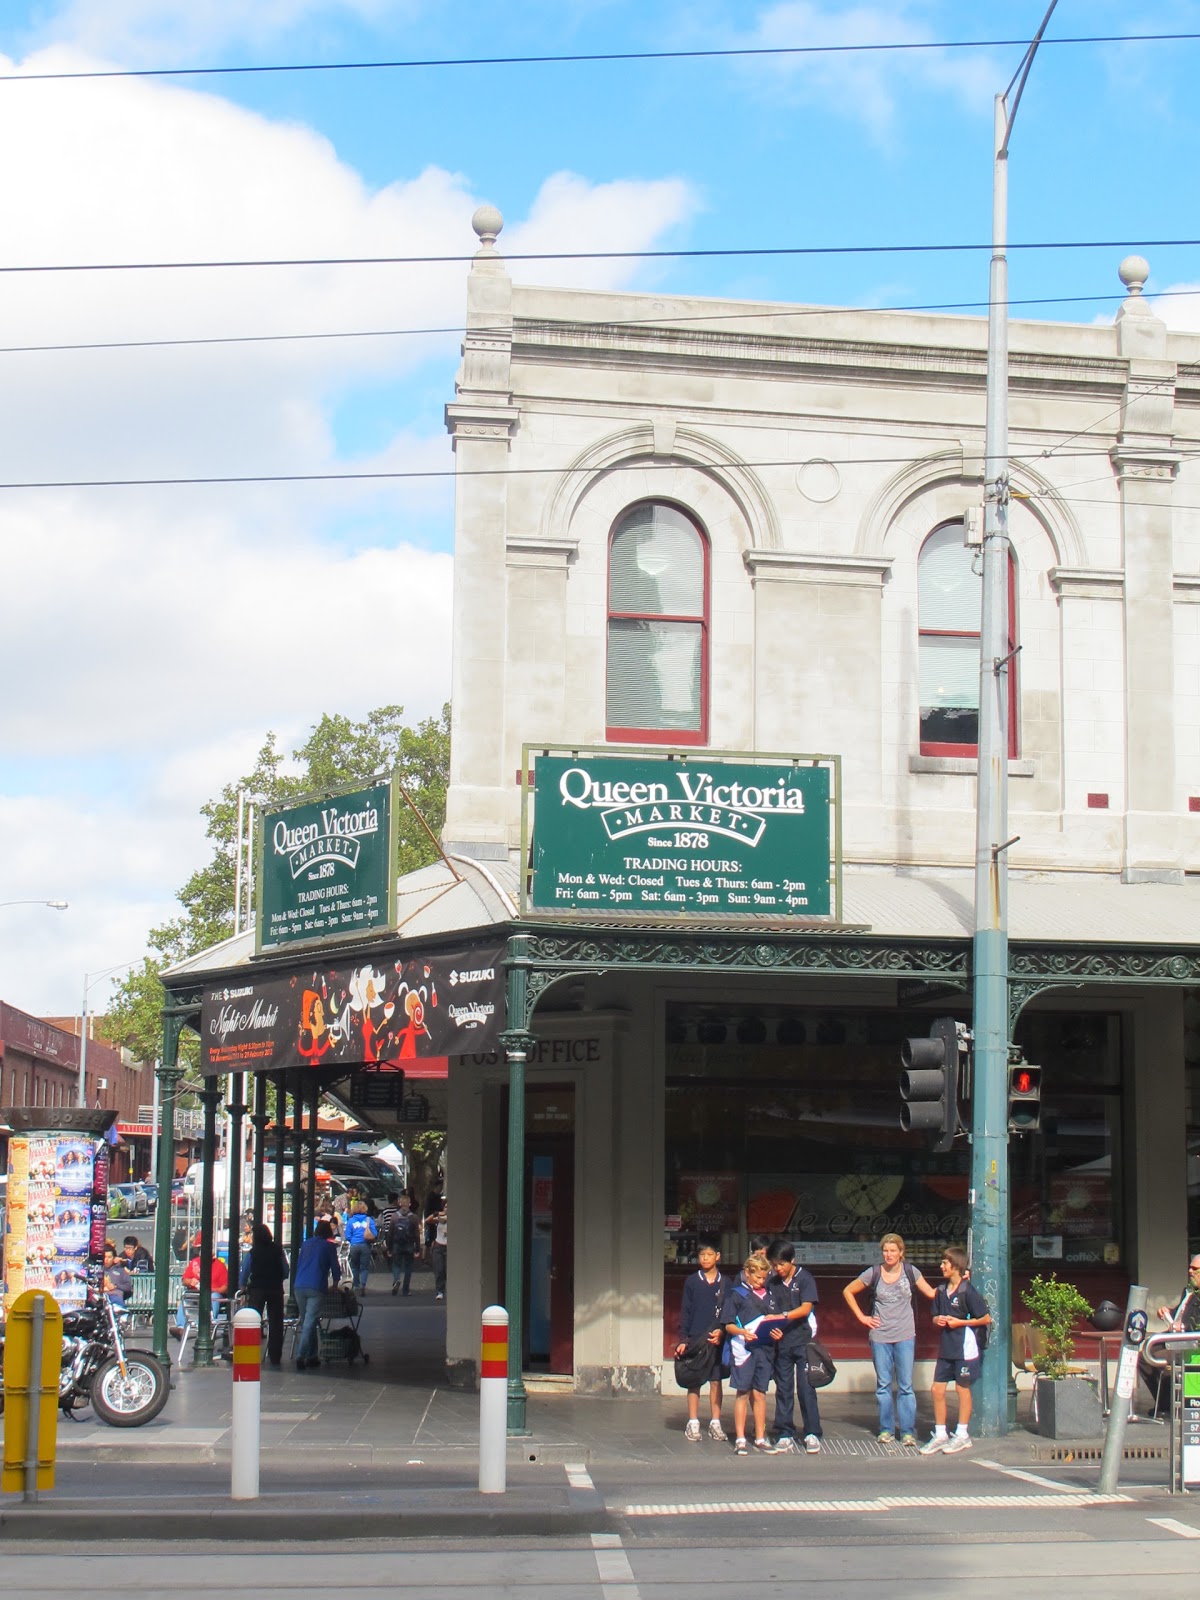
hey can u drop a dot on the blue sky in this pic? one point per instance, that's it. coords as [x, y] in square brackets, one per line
[160, 632]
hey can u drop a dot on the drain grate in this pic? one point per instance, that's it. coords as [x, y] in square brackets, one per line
[1095, 1452]
[865, 1448]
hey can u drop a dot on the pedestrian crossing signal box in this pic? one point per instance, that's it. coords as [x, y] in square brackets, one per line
[929, 1083]
[1024, 1097]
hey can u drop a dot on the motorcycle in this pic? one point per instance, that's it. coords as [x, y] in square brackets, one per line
[125, 1388]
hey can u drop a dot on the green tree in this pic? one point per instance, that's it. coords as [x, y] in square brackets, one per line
[337, 751]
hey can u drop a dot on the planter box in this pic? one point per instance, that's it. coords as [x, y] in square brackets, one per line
[1067, 1408]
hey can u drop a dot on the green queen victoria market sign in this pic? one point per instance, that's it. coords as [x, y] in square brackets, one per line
[657, 835]
[326, 867]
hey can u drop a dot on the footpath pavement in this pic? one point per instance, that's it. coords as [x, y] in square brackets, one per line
[385, 1449]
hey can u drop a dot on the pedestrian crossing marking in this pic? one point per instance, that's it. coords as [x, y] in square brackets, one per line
[884, 1502]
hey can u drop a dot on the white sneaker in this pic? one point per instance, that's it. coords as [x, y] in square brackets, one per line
[812, 1445]
[959, 1441]
[439, 1297]
[785, 1446]
[935, 1445]
[716, 1431]
[692, 1431]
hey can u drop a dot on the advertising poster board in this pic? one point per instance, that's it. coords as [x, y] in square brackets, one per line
[57, 1215]
[419, 1007]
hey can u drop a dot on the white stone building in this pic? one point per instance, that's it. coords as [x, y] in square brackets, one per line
[809, 479]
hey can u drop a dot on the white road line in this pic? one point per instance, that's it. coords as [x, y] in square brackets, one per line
[890, 1502]
[613, 1569]
[1181, 1528]
[578, 1476]
[1026, 1477]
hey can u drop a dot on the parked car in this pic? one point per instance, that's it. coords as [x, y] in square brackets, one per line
[151, 1192]
[133, 1200]
[179, 1198]
[118, 1203]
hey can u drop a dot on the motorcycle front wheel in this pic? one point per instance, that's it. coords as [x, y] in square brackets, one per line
[138, 1396]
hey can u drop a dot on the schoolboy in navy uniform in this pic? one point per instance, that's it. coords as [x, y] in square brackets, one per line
[796, 1294]
[700, 1318]
[752, 1361]
[958, 1310]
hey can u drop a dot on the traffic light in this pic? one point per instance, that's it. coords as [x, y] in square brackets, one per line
[929, 1082]
[1024, 1097]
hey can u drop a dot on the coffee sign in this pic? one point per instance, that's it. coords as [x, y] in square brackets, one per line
[326, 868]
[702, 837]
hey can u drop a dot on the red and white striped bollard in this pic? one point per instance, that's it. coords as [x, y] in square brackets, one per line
[247, 1405]
[493, 1401]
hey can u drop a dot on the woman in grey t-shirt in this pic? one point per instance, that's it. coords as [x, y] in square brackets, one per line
[893, 1334]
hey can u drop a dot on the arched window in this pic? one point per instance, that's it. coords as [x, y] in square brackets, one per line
[949, 603]
[657, 627]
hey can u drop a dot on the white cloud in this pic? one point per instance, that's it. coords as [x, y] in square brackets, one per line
[1179, 307]
[153, 635]
[158, 32]
[865, 87]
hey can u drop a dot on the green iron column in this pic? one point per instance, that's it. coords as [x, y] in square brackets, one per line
[280, 1158]
[297, 1188]
[259, 1121]
[234, 1199]
[516, 1041]
[169, 1075]
[314, 1148]
[210, 1096]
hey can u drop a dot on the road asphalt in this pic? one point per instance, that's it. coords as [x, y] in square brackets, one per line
[384, 1450]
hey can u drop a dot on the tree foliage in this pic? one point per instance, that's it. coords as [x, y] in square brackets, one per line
[337, 751]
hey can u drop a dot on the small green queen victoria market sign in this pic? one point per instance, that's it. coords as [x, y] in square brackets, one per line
[326, 867]
[702, 836]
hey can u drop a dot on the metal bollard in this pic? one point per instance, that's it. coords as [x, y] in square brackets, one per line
[247, 1390]
[493, 1401]
[1127, 1368]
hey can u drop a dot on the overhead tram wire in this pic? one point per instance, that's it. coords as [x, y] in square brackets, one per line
[450, 473]
[900, 46]
[714, 253]
[617, 323]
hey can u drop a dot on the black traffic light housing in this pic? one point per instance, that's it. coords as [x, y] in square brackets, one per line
[929, 1082]
[1024, 1097]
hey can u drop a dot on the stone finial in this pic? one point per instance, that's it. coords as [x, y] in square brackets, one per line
[487, 223]
[1133, 272]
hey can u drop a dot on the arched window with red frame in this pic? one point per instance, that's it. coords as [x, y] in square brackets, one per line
[949, 606]
[658, 599]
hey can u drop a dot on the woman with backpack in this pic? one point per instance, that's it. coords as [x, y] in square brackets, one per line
[894, 1286]
[360, 1234]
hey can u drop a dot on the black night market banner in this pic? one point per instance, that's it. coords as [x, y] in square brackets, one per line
[378, 1013]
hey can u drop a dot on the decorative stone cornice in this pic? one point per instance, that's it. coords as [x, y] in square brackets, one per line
[807, 566]
[1087, 583]
[1140, 461]
[526, 550]
[492, 420]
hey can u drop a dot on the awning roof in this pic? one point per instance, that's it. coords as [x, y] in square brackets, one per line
[885, 902]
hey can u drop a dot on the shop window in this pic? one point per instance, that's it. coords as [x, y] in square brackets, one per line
[949, 599]
[658, 600]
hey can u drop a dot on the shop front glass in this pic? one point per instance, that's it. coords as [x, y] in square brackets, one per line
[786, 1122]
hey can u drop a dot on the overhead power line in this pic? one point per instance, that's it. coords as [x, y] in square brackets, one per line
[604, 255]
[896, 47]
[661, 320]
[432, 473]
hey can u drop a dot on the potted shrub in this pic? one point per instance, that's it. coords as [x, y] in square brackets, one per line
[1065, 1405]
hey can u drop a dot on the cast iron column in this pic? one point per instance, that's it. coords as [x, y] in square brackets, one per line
[259, 1120]
[234, 1199]
[516, 1042]
[314, 1143]
[169, 1074]
[297, 1187]
[203, 1350]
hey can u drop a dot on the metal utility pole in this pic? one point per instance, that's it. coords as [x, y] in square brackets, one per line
[989, 1199]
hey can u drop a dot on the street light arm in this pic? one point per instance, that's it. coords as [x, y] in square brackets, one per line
[55, 905]
[1022, 74]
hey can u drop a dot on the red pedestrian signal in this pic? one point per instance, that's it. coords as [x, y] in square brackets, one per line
[1024, 1098]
